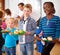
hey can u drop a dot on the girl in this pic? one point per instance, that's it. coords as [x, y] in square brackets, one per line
[10, 39]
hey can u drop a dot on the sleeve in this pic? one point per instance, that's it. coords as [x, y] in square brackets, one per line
[33, 23]
[40, 24]
[57, 28]
[37, 30]
[4, 35]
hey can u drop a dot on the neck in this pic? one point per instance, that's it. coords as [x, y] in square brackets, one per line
[49, 16]
[10, 28]
[25, 17]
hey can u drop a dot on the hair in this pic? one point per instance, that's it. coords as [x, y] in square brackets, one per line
[22, 4]
[28, 6]
[52, 5]
[16, 22]
[1, 14]
[7, 11]
[10, 19]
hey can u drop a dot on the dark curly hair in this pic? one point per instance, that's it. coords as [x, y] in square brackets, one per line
[52, 5]
[7, 11]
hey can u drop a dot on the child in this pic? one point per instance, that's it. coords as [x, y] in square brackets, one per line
[50, 25]
[27, 24]
[10, 39]
[7, 13]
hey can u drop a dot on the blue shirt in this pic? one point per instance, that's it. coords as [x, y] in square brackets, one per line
[50, 27]
[10, 40]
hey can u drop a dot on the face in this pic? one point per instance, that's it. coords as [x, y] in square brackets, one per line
[11, 24]
[20, 7]
[47, 8]
[26, 11]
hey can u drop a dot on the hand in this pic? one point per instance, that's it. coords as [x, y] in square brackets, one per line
[38, 38]
[10, 33]
[55, 40]
[27, 33]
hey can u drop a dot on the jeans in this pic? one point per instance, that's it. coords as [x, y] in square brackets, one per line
[10, 51]
[26, 49]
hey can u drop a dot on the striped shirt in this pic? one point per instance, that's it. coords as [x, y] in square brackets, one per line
[50, 27]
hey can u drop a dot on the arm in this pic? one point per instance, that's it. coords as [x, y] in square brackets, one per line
[32, 28]
[57, 28]
[4, 35]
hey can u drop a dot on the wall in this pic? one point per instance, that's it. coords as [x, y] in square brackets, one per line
[12, 4]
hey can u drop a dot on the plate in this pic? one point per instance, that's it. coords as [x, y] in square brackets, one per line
[5, 31]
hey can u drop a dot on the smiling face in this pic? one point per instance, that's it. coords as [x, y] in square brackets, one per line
[26, 11]
[11, 23]
[48, 8]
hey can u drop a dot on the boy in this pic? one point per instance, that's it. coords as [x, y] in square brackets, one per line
[27, 24]
[50, 25]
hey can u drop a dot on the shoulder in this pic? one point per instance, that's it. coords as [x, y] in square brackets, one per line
[56, 17]
[43, 19]
[31, 19]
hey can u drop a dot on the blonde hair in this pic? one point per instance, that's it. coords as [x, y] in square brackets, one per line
[10, 19]
[16, 22]
[28, 6]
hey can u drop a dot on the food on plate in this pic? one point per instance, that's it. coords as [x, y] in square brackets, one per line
[21, 32]
[45, 39]
[49, 38]
[5, 31]
[16, 32]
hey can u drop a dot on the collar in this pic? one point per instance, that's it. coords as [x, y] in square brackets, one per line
[22, 19]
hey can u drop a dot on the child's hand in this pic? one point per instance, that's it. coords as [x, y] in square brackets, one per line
[27, 33]
[38, 38]
[10, 33]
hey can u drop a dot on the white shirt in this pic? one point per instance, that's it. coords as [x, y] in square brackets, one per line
[24, 28]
